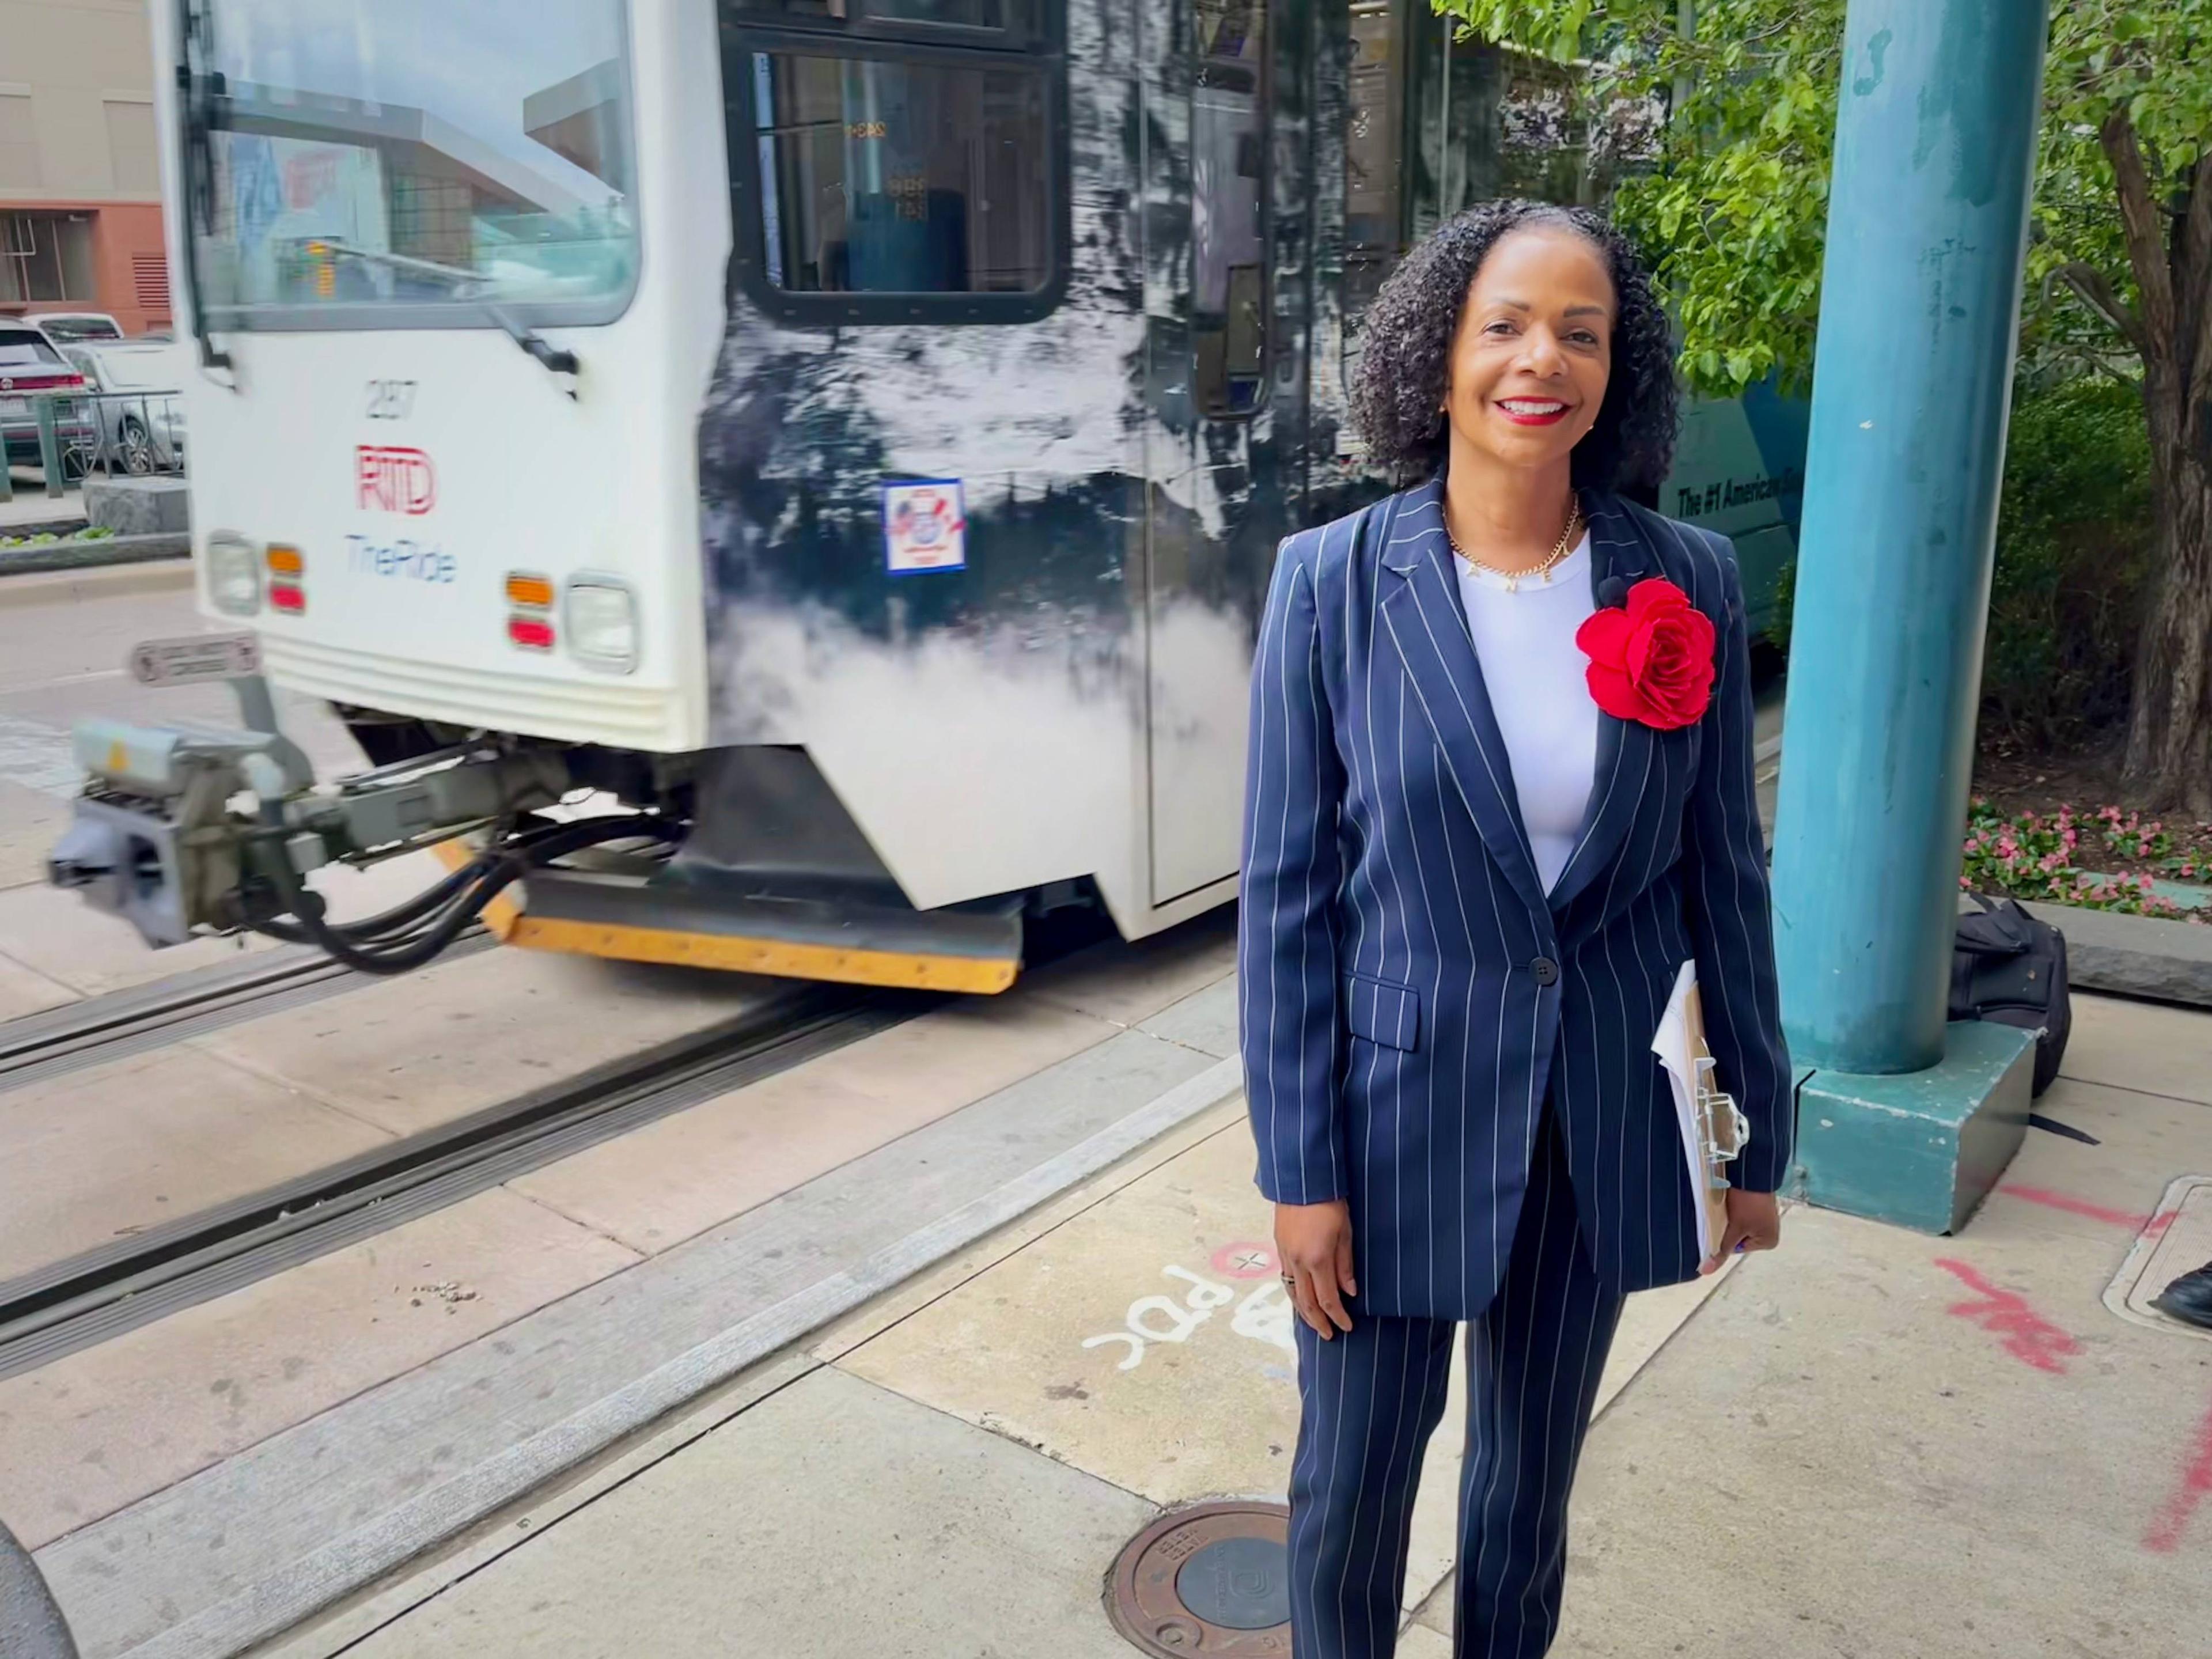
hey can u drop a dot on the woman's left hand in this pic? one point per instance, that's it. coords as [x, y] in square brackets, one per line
[1754, 1223]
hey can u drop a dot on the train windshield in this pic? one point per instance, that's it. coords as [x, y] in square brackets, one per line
[414, 161]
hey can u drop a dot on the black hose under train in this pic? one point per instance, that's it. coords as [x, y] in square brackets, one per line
[409, 935]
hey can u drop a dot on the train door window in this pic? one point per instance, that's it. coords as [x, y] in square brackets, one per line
[889, 175]
[1422, 114]
[1374, 178]
[1229, 138]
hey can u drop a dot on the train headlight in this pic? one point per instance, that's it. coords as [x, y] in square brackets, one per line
[234, 575]
[603, 623]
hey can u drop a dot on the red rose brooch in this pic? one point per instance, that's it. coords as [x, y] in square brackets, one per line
[1651, 661]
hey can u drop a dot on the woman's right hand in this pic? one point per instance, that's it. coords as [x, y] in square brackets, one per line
[1314, 1244]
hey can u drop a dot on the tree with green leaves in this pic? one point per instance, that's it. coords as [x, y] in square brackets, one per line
[2120, 262]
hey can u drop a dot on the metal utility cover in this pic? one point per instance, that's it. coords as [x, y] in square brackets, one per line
[2176, 1240]
[1213, 1579]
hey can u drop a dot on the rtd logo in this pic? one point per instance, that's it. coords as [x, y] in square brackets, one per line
[392, 480]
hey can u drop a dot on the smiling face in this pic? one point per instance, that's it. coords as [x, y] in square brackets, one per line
[1533, 350]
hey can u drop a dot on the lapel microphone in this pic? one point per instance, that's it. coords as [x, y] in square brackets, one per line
[1612, 593]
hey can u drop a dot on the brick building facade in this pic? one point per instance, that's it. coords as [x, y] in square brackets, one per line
[79, 170]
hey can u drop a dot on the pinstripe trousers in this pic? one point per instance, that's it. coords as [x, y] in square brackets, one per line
[1370, 1398]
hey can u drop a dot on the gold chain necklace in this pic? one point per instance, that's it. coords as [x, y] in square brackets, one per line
[1567, 539]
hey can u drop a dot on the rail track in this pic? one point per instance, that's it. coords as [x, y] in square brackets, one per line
[147, 1017]
[87, 1299]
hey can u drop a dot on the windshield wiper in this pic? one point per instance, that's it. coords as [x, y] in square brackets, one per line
[553, 359]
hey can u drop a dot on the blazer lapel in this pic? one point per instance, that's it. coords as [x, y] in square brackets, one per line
[1421, 611]
[1619, 553]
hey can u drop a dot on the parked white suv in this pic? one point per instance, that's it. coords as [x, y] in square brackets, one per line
[69, 327]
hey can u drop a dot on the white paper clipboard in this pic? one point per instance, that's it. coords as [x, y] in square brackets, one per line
[1714, 1132]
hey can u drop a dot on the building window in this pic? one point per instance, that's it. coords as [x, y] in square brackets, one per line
[131, 148]
[1229, 206]
[19, 142]
[45, 257]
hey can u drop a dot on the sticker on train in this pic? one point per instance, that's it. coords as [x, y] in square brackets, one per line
[925, 527]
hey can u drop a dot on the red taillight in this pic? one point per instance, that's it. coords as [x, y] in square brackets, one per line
[531, 633]
[49, 382]
[287, 597]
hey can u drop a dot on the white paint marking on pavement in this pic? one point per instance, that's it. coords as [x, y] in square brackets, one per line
[1264, 1315]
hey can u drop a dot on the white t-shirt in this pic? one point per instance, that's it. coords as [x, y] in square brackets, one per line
[1536, 676]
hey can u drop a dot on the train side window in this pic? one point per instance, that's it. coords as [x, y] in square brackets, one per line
[1229, 142]
[879, 178]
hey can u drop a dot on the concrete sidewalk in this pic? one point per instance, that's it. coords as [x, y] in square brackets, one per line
[1873, 1444]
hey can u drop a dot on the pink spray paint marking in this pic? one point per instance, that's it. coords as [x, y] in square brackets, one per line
[2173, 1521]
[2028, 1337]
[1244, 1261]
[2072, 1206]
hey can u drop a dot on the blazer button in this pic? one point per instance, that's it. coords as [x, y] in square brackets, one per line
[1545, 970]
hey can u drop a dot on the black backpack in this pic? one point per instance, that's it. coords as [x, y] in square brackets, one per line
[2008, 967]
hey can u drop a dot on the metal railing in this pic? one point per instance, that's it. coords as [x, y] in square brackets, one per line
[72, 435]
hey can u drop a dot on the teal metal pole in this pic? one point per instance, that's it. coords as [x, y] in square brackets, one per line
[1935, 129]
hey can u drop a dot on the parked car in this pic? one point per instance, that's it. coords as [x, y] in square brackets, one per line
[141, 417]
[67, 327]
[31, 362]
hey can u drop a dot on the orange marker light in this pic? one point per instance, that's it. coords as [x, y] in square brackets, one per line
[533, 592]
[285, 561]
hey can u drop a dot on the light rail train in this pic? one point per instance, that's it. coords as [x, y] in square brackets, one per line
[845, 439]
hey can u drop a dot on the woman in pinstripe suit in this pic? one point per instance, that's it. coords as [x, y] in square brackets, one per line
[1500, 790]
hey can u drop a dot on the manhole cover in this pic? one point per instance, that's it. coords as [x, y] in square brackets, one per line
[1213, 1580]
[2177, 1239]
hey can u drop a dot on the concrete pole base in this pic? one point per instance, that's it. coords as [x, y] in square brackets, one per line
[1917, 1149]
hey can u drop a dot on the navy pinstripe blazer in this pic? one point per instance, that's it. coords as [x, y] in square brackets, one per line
[1409, 993]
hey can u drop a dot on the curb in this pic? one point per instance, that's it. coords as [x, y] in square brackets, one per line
[2144, 957]
[86, 555]
[39, 587]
